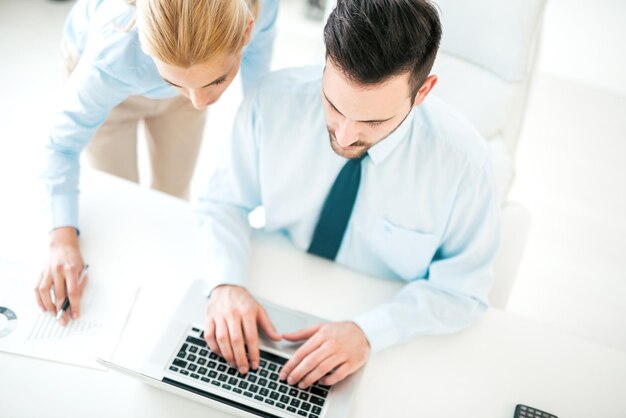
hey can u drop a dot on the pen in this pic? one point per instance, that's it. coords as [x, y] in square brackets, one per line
[66, 302]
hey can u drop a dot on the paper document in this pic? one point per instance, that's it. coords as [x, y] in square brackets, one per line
[25, 330]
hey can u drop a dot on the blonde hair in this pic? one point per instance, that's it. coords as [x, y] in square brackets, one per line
[188, 32]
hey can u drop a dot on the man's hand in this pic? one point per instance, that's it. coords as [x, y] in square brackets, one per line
[61, 273]
[231, 325]
[333, 351]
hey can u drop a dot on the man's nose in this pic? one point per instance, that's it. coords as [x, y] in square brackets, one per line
[346, 134]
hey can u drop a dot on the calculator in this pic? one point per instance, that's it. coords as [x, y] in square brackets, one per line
[525, 411]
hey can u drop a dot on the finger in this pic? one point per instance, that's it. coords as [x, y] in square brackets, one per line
[237, 344]
[251, 334]
[223, 340]
[267, 326]
[209, 336]
[309, 363]
[302, 334]
[44, 291]
[73, 290]
[307, 348]
[58, 278]
[325, 367]
[37, 295]
[338, 375]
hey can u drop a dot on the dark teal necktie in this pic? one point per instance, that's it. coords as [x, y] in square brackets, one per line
[336, 211]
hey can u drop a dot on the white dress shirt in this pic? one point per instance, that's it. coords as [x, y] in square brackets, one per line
[426, 212]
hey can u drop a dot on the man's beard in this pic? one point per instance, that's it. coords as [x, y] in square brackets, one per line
[351, 154]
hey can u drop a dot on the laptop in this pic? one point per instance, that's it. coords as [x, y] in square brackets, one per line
[182, 363]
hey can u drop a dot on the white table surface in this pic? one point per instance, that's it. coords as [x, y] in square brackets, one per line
[146, 238]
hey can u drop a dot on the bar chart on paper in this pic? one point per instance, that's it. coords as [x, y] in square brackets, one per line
[47, 327]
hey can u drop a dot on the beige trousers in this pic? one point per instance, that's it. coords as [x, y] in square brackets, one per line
[173, 130]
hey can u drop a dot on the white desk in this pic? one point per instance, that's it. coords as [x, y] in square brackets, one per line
[140, 236]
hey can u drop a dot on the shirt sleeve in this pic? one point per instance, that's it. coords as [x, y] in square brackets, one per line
[88, 96]
[454, 294]
[257, 55]
[222, 210]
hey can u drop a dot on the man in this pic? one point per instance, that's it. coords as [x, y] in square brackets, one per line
[404, 190]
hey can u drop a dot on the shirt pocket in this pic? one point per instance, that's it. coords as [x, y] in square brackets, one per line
[406, 252]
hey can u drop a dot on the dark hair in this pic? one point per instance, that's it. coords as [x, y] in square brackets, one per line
[372, 40]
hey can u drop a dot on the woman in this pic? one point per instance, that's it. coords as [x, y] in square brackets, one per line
[160, 61]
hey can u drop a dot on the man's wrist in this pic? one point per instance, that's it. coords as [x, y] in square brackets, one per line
[66, 235]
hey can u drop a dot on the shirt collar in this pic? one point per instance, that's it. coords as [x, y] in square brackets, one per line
[380, 151]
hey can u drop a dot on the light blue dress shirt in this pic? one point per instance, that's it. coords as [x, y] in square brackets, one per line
[112, 68]
[426, 212]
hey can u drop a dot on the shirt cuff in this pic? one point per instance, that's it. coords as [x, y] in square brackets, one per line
[379, 328]
[63, 211]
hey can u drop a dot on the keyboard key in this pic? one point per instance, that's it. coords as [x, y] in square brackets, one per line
[258, 398]
[237, 390]
[233, 381]
[231, 371]
[184, 347]
[269, 401]
[274, 395]
[213, 356]
[272, 367]
[293, 392]
[195, 376]
[221, 360]
[181, 354]
[291, 409]
[248, 394]
[303, 396]
[262, 382]
[253, 388]
[306, 406]
[283, 389]
[192, 367]
[241, 376]
[227, 386]
[194, 329]
[203, 352]
[196, 341]
[274, 376]
[317, 401]
[202, 361]
[280, 405]
[173, 368]
[316, 390]
[184, 372]
[273, 358]
[251, 378]
[193, 349]
[212, 374]
[216, 383]
[295, 402]
[191, 357]
[317, 410]
[313, 416]
[180, 363]
[212, 365]
[222, 368]
[302, 413]
[205, 379]
[202, 371]
[263, 373]
[222, 377]
[264, 392]
[273, 385]
[243, 385]
[284, 398]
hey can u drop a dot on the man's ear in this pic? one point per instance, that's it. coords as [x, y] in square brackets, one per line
[427, 86]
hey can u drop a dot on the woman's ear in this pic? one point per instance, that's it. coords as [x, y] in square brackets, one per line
[248, 34]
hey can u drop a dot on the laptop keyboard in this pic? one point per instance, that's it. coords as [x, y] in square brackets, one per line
[196, 361]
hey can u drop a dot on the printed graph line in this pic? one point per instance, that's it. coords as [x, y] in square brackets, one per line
[46, 327]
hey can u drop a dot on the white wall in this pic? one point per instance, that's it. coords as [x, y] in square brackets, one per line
[585, 41]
